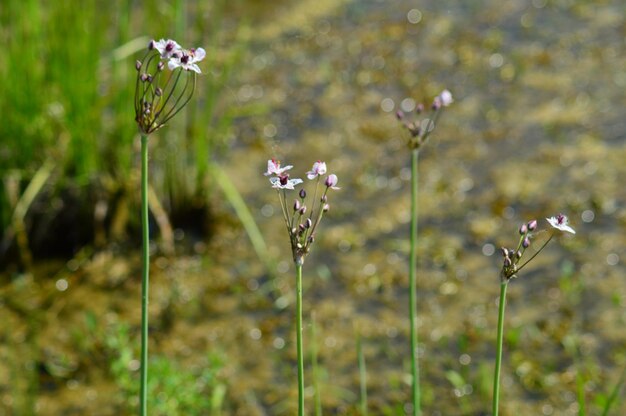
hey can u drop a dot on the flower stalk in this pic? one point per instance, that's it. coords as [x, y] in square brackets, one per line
[510, 269]
[419, 131]
[158, 98]
[301, 223]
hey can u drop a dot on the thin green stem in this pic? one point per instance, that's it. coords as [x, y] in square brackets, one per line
[413, 287]
[496, 375]
[362, 374]
[145, 273]
[315, 366]
[299, 337]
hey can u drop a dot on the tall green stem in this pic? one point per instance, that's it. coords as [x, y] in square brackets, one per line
[145, 273]
[413, 287]
[496, 375]
[299, 337]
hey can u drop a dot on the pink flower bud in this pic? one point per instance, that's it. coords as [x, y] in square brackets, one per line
[296, 205]
[523, 229]
[526, 242]
[532, 225]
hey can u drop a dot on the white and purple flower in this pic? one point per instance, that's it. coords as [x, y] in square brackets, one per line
[560, 222]
[442, 100]
[273, 168]
[186, 59]
[167, 48]
[283, 182]
[319, 168]
[331, 181]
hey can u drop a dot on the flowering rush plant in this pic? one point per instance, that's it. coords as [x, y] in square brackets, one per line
[510, 268]
[160, 94]
[301, 220]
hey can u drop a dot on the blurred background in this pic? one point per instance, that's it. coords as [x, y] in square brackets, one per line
[537, 128]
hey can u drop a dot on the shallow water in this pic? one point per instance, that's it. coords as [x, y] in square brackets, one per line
[536, 129]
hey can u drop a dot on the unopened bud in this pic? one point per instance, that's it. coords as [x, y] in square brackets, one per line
[507, 262]
[323, 199]
[151, 45]
[308, 223]
[301, 227]
[532, 225]
[149, 78]
[296, 205]
[518, 254]
[158, 92]
[523, 229]
[420, 108]
[303, 210]
[505, 252]
[437, 103]
[302, 193]
[526, 242]
[326, 207]
[161, 65]
[137, 65]
[311, 239]
[143, 77]
[399, 115]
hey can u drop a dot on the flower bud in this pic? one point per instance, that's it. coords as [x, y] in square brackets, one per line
[526, 242]
[311, 238]
[331, 181]
[302, 193]
[523, 229]
[158, 92]
[149, 78]
[151, 45]
[532, 225]
[301, 227]
[161, 65]
[437, 104]
[143, 77]
[518, 254]
[420, 108]
[138, 65]
[296, 205]
[308, 223]
[507, 262]
[505, 252]
[399, 115]
[326, 207]
[323, 199]
[303, 210]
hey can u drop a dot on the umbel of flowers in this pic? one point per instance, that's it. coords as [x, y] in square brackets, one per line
[420, 129]
[159, 93]
[512, 257]
[301, 220]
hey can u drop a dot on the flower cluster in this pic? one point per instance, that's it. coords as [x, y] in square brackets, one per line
[512, 257]
[421, 129]
[159, 96]
[301, 221]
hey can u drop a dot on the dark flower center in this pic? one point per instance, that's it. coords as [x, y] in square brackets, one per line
[283, 179]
